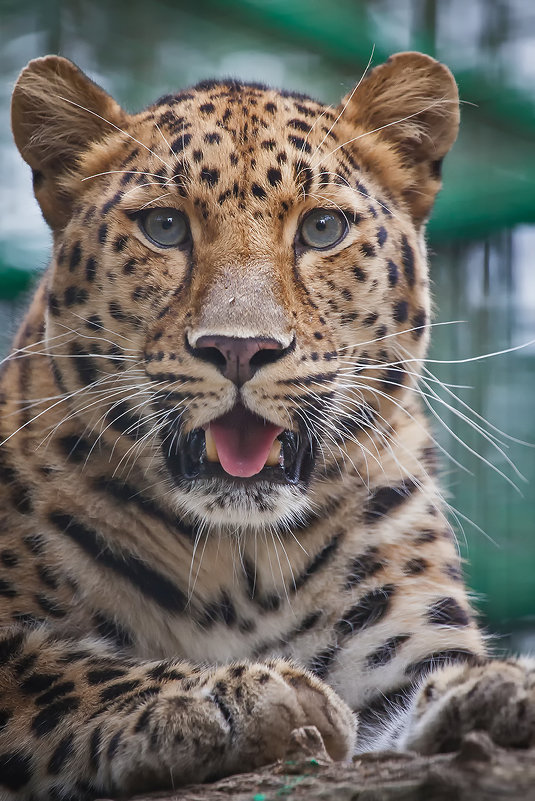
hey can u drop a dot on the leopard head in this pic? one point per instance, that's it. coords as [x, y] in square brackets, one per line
[239, 275]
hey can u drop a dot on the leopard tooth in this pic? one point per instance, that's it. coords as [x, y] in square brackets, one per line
[211, 450]
[274, 455]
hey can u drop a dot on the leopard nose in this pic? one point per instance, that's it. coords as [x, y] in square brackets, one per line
[238, 358]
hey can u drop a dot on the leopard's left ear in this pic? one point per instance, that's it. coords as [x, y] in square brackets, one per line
[412, 103]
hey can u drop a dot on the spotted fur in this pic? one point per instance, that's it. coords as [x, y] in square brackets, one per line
[158, 630]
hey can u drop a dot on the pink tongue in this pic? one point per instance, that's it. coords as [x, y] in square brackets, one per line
[243, 441]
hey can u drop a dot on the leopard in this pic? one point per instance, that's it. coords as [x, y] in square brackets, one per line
[223, 518]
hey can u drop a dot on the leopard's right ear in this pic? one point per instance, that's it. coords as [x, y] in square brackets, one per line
[57, 112]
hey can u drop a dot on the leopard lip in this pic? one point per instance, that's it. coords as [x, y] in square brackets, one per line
[186, 460]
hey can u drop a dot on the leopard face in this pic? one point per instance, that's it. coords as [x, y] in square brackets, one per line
[238, 300]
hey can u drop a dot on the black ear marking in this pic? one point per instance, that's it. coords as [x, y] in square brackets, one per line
[436, 169]
[37, 179]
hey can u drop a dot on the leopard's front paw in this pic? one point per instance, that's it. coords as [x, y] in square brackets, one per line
[268, 702]
[230, 719]
[498, 697]
[321, 707]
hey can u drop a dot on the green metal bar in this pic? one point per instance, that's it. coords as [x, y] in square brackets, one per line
[14, 281]
[342, 33]
[483, 204]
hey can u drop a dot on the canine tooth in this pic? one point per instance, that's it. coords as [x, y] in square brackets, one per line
[211, 450]
[274, 454]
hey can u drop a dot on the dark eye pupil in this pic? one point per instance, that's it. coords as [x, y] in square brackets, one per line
[167, 223]
[321, 224]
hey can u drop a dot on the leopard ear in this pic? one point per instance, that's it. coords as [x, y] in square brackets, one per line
[56, 113]
[411, 102]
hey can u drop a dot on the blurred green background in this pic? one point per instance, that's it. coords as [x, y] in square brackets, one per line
[482, 235]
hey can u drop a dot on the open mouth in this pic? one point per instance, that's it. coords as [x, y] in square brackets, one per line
[240, 447]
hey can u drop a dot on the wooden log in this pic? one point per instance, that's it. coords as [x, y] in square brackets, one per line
[479, 771]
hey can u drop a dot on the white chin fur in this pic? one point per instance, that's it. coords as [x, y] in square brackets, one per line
[244, 507]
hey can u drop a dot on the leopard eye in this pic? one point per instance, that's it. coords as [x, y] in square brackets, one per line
[323, 228]
[165, 227]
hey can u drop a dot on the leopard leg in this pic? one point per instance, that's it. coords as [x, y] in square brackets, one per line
[79, 721]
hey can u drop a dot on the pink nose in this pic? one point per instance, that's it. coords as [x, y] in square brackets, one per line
[238, 358]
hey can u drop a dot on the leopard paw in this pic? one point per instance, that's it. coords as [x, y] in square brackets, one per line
[232, 719]
[319, 706]
[269, 702]
[497, 697]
